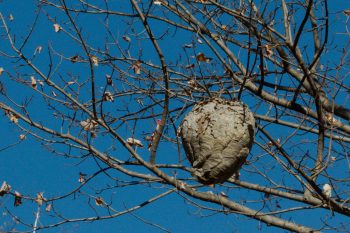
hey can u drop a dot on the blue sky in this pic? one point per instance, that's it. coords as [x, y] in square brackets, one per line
[30, 168]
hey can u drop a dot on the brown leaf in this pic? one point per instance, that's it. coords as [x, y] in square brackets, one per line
[13, 118]
[74, 59]
[107, 96]
[22, 137]
[33, 82]
[89, 124]
[48, 207]
[57, 27]
[4, 189]
[38, 50]
[269, 51]
[18, 199]
[202, 58]
[82, 177]
[1, 70]
[137, 67]
[94, 60]
[109, 80]
[347, 12]
[40, 198]
[134, 142]
[126, 38]
[99, 201]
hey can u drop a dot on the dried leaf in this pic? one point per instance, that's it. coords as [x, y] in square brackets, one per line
[13, 118]
[109, 80]
[94, 60]
[190, 66]
[202, 58]
[99, 201]
[4, 189]
[48, 207]
[18, 199]
[82, 178]
[11, 18]
[22, 137]
[40, 198]
[139, 101]
[269, 51]
[38, 50]
[333, 158]
[89, 124]
[157, 2]
[33, 82]
[134, 142]
[107, 96]
[347, 12]
[137, 67]
[57, 27]
[126, 38]
[1, 70]
[74, 59]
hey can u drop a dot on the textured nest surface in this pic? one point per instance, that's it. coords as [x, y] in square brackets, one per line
[217, 136]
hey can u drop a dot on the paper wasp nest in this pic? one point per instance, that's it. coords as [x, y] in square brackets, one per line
[217, 136]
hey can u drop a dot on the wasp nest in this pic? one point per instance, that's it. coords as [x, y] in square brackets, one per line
[217, 136]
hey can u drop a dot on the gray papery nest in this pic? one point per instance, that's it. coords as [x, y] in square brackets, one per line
[217, 136]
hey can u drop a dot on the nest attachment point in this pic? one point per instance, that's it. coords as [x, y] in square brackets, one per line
[217, 136]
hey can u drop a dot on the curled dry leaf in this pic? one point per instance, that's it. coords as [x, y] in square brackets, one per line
[22, 136]
[109, 80]
[137, 67]
[4, 189]
[74, 59]
[89, 124]
[269, 51]
[202, 58]
[33, 82]
[99, 201]
[13, 118]
[81, 177]
[1, 70]
[57, 27]
[134, 142]
[48, 207]
[94, 60]
[18, 199]
[107, 96]
[126, 38]
[40, 198]
[38, 50]
[139, 101]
